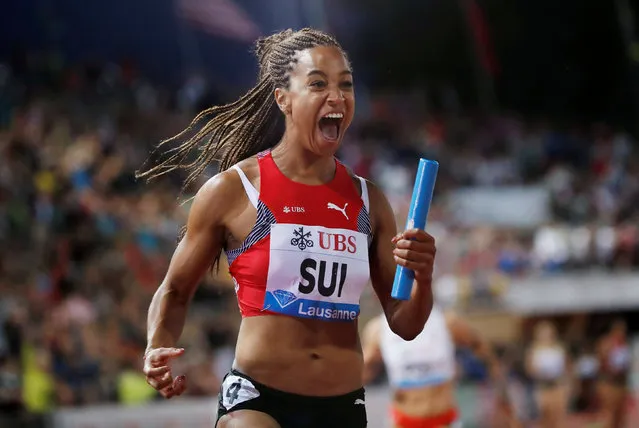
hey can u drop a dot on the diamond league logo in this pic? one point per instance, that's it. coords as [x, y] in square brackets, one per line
[284, 298]
[301, 239]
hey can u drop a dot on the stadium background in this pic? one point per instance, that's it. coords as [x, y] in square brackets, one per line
[530, 108]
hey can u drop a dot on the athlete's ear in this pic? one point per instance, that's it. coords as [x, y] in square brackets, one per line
[282, 99]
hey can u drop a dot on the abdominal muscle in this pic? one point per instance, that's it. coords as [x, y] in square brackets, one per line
[428, 401]
[300, 356]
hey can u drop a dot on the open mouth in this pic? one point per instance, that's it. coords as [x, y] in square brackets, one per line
[329, 125]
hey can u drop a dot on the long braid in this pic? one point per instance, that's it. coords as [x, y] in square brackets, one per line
[253, 123]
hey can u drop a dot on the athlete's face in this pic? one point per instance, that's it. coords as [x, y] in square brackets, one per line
[319, 102]
[546, 333]
[619, 330]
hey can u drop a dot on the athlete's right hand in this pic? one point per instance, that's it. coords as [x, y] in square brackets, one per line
[158, 371]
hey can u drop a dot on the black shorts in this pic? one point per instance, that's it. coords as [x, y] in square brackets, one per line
[240, 392]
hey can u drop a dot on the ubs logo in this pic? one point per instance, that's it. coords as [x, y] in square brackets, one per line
[337, 242]
[301, 239]
[288, 209]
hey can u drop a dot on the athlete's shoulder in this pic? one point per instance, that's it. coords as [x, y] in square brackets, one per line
[449, 314]
[373, 190]
[452, 318]
[250, 167]
[221, 185]
[354, 177]
[381, 212]
[221, 194]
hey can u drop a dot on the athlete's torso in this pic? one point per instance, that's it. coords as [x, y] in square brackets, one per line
[307, 255]
[619, 358]
[278, 272]
[549, 363]
[428, 360]
[616, 365]
[421, 372]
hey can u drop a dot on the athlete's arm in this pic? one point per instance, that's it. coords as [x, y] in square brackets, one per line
[371, 347]
[194, 254]
[405, 318]
[464, 335]
[528, 362]
[603, 348]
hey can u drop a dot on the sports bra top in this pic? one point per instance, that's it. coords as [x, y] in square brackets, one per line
[549, 363]
[307, 254]
[427, 360]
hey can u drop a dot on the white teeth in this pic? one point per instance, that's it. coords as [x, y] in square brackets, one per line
[335, 116]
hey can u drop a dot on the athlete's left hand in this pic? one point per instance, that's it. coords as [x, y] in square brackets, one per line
[415, 250]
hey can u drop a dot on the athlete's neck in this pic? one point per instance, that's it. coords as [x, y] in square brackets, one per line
[301, 165]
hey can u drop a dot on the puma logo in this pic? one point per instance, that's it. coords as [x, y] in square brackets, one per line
[332, 206]
[359, 401]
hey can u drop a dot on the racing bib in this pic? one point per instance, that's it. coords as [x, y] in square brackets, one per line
[316, 272]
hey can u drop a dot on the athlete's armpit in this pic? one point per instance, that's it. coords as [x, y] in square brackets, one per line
[382, 263]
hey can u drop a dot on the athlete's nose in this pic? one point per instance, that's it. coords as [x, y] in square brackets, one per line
[335, 97]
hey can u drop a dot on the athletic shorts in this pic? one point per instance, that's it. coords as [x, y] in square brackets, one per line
[446, 419]
[240, 392]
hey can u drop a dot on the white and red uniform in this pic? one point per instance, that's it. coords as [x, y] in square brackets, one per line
[307, 254]
[427, 360]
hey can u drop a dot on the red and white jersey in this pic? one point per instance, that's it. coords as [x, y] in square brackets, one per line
[307, 254]
[619, 358]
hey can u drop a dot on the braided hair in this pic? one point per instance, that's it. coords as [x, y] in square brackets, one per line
[243, 128]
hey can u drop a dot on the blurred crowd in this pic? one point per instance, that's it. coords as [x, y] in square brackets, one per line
[85, 244]
[590, 174]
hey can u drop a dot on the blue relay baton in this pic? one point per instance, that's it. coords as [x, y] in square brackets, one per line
[417, 214]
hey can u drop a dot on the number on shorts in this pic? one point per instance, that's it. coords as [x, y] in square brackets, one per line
[234, 391]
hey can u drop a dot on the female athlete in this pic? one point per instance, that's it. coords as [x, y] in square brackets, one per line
[303, 236]
[422, 372]
[547, 365]
[615, 360]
